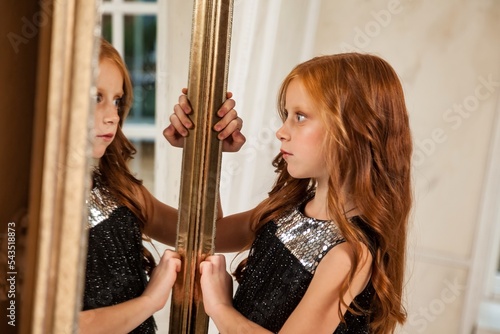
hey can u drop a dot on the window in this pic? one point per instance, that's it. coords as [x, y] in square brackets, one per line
[131, 26]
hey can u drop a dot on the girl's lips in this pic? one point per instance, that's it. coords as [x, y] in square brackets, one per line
[285, 153]
[107, 136]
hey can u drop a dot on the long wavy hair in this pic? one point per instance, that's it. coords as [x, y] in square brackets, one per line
[368, 149]
[113, 165]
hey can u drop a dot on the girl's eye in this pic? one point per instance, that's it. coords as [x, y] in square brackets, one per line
[117, 102]
[98, 98]
[284, 115]
[300, 117]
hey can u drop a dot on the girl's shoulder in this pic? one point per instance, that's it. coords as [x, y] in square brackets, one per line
[320, 303]
[339, 261]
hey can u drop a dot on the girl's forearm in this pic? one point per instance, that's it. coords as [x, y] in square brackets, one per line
[120, 318]
[228, 320]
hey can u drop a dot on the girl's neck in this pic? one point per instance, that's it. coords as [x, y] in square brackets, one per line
[93, 165]
[317, 207]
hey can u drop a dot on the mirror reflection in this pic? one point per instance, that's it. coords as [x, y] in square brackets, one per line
[448, 122]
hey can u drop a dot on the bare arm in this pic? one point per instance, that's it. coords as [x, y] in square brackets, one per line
[316, 313]
[161, 222]
[121, 318]
[234, 232]
[124, 317]
[162, 225]
[321, 301]
[217, 289]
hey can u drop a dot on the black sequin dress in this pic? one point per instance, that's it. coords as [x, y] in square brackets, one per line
[114, 272]
[280, 267]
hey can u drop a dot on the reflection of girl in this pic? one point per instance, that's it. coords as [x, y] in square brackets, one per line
[117, 296]
[329, 242]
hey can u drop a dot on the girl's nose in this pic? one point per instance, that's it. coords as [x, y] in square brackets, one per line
[111, 116]
[282, 133]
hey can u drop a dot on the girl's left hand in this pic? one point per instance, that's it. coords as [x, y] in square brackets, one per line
[216, 284]
[229, 126]
[162, 279]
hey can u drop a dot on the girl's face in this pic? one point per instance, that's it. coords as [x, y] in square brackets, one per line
[302, 135]
[106, 118]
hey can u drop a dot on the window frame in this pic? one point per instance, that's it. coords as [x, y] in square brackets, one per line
[118, 9]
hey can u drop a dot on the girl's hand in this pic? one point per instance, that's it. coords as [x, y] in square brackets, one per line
[216, 284]
[162, 279]
[228, 127]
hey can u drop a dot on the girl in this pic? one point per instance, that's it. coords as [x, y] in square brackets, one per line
[328, 245]
[117, 295]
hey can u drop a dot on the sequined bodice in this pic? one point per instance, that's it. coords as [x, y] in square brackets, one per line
[280, 267]
[308, 239]
[114, 271]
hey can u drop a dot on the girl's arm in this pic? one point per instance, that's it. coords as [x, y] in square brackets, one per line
[162, 219]
[233, 232]
[217, 287]
[316, 313]
[124, 317]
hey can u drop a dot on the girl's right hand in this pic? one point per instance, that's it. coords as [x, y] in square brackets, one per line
[216, 284]
[162, 279]
[179, 122]
[228, 127]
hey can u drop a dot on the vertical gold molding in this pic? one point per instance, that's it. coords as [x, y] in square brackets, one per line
[36, 172]
[61, 239]
[208, 68]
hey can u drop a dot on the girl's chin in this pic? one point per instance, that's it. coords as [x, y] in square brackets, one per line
[97, 154]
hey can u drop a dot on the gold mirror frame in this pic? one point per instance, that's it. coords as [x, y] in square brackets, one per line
[208, 70]
[60, 169]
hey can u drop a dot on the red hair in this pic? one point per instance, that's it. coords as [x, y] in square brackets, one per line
[368, 149]
[113, 165]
